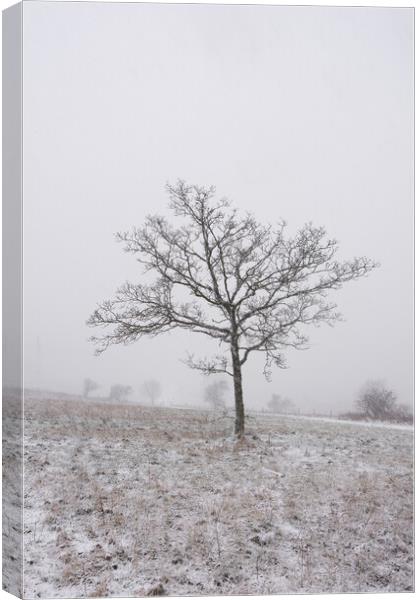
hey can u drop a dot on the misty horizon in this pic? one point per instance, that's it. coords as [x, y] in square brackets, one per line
[304, 118]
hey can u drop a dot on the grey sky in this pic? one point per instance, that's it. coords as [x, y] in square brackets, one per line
[301, 113]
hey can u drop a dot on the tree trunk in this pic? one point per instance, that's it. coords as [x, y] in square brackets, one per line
[237, 384]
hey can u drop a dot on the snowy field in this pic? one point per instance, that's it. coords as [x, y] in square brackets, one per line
[134, 501]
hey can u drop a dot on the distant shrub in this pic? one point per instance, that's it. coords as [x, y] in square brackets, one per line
[89, 386]
[214, 394]
[119, 392]
[280, 405]
[403, 414]
[376, 402]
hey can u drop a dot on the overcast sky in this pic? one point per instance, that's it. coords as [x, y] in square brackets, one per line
[299, 113]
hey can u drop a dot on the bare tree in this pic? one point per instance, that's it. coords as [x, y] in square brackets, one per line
[89, 386]
[245, 284]
[119, 392]
[152, 390]
[375, 401]
[214, 394]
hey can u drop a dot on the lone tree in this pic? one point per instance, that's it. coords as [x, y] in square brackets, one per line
[214, 394]
[226, 276]
[151, 390]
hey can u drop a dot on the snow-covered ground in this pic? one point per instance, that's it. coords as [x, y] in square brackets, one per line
[386, 424]
[134, 501]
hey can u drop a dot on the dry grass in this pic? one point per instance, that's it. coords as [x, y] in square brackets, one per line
[129, 501]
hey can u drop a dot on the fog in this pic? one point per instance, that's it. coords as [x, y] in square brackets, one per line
[295, 113]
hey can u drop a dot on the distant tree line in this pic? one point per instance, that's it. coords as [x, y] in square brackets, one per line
[150, 390]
